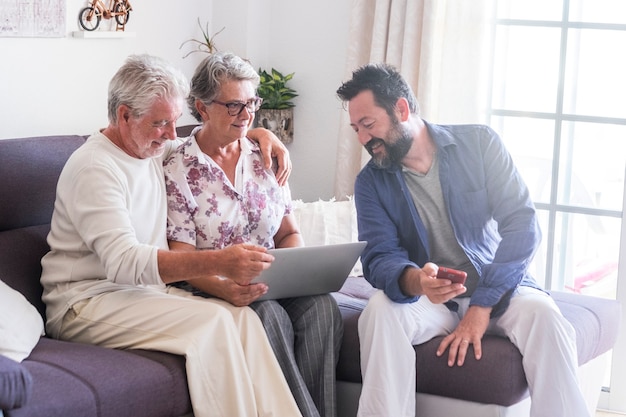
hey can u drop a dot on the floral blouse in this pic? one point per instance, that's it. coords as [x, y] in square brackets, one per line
[207, 211]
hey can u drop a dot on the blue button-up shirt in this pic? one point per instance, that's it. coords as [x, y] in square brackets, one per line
[488, 204]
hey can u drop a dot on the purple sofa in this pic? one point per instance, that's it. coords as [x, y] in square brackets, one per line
[62, 379]
[76, 380]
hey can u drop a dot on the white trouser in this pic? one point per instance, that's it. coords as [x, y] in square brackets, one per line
[231, 368]
[533, 322]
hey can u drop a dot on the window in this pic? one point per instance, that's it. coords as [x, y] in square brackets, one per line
[557, 99]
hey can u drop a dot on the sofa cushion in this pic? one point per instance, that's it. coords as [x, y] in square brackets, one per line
[595, 319]
[30, 168]
[20, 324]
[21, 251]
[499, 377]
[328, 222]
[16, 384]
[79, 380]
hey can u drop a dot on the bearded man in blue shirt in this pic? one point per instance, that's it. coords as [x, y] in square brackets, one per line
[432, 196]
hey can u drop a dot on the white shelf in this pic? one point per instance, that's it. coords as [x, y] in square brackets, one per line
[103, 34]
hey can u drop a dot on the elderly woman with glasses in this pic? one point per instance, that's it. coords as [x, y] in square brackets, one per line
[220, 194]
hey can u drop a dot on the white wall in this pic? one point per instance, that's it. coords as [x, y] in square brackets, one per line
[59, 85]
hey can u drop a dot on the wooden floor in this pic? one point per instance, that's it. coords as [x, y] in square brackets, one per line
[607, 414]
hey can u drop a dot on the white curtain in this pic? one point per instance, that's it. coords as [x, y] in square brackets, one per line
[442, 48]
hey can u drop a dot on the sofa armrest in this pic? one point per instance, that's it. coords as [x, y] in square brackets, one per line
[16, 384]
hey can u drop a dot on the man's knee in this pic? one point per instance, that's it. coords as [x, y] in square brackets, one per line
[379, 307]
[538, 313]
[379, 303]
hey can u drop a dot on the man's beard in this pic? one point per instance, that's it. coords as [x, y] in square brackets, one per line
[396, 147]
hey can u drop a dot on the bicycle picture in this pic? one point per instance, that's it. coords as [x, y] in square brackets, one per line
[89, 17]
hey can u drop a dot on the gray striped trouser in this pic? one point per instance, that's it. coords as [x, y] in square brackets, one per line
[305, 334]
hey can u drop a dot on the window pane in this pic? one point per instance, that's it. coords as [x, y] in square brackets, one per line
[593, 160]
[526, 68]
[530, 9]
[598, 11]
[586, 254]
[530, 142]
[580, 250]
[594, 81]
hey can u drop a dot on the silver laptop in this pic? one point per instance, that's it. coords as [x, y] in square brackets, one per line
[309, 270]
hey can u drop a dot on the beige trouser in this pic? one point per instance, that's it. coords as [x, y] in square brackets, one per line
[231, 369]
[533, 322]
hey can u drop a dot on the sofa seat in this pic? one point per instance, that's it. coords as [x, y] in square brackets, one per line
[498, 378]
[74, 379]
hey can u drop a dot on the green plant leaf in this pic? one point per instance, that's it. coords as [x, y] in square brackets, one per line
[274, 91]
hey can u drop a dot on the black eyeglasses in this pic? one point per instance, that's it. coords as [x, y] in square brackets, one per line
[236, 107]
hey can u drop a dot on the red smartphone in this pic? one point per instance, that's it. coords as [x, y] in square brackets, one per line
[454, 275]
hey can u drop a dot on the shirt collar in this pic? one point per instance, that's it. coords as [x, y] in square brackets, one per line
[192, 154]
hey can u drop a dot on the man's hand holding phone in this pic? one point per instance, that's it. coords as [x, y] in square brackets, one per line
[425, 282]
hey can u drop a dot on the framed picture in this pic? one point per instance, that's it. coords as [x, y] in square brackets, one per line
[32, 18]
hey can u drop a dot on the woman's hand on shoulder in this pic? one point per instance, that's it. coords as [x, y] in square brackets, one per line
[273, 149]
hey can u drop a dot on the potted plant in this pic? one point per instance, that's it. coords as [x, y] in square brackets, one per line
[276, 112]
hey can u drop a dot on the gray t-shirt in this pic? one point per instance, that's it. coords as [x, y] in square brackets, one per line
[444, 248]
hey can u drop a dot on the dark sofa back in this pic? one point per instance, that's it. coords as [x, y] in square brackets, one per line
[29, 170]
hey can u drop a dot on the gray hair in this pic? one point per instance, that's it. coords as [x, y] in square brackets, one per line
[212, 72]
[140, 81]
